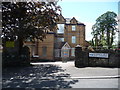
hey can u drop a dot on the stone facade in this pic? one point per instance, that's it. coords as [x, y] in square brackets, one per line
[79, 33]
[37, 48]
[70, 31]
[49, 44]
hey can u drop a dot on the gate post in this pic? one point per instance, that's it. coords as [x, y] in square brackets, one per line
[78, 56]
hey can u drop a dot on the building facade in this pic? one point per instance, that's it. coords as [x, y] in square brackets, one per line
[60, 43]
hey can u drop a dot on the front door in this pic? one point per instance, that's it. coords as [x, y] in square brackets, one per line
[65, 52]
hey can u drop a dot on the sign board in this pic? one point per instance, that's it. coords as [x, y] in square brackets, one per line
[10, 43]
[99, 55]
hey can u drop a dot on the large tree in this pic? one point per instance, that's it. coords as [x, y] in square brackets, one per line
[23, 20]
[104, 29]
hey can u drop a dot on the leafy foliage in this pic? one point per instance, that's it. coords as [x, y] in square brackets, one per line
[104, 29]
[23, 20]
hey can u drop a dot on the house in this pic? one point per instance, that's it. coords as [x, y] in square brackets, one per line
[60, 43]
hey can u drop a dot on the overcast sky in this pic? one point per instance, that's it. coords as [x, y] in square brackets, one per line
[87, 11]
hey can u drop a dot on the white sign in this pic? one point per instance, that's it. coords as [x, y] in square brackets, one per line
[100, 55]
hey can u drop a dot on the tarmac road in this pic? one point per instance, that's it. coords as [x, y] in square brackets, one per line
[89, 77]
[59, 75]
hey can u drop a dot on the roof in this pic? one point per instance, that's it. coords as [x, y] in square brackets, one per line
[59, 45]
[50, 32]
[66, 45]
[69, 19]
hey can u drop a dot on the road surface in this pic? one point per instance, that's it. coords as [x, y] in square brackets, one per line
[59, 75]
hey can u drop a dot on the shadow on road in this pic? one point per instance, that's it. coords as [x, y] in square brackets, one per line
[38, 76]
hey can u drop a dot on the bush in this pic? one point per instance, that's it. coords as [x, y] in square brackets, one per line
[16, 59]
[25, 55]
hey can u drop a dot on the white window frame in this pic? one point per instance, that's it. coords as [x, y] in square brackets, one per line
[73, 28]
[73, 39]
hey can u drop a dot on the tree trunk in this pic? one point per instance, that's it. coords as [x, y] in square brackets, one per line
[20, 41]
[108, 38]
[111, 41]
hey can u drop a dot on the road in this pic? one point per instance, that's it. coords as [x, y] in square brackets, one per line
[89, 77]
[59, 75]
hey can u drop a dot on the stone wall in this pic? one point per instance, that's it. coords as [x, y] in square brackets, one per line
[82, 59]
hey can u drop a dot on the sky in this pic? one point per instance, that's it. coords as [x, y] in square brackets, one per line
[87, 11]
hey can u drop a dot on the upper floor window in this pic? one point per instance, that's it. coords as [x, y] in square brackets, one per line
[73, 39]
[60, 39]
[60, 28]
[73, 28]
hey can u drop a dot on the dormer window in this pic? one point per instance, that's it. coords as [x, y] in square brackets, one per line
[73, 28]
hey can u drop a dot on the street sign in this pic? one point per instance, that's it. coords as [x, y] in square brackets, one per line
[99, 55]
[10, 44]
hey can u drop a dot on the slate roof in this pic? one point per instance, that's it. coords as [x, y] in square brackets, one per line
[68, 21]
[59, 45]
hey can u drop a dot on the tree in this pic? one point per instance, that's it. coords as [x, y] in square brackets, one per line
[104, 29]
[23, 20]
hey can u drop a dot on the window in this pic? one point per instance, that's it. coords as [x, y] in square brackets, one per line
[73, 52]
[73, 39]
[57, 52]
[60, 39]
[73, 28]
[44, 51]
[60, 28]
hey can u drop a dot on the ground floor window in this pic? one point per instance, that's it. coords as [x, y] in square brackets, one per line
[73, 52]
[57, 52]
[44, 51]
